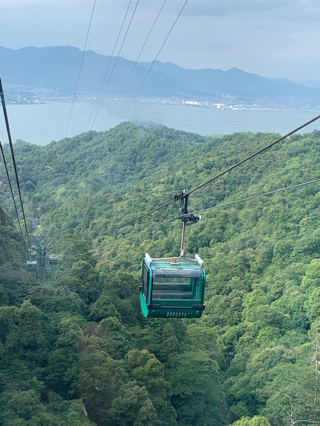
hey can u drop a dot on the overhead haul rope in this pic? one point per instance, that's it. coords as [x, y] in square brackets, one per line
[259, 195]
[114, 65]
[13, 157]
[81, 63]
[135, 64]
[234, 202]
[9, 181]
[110, 59]
[153, 62]
[221, 173]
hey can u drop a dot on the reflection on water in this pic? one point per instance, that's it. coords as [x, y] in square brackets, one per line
[43, 123]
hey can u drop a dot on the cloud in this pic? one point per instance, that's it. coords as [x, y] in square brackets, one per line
[277, 38]
[225, 7]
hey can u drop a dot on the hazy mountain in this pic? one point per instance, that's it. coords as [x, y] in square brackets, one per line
[58, 67]
[310, 83]
[234, 81]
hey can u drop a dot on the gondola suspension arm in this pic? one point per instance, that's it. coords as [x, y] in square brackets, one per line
[185, 216]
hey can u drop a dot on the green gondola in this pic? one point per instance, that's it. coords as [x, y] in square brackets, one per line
[32, 265]
[174, 287]
[53, 260]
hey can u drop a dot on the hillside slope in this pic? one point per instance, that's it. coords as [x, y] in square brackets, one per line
[251, 352]
[13, 254]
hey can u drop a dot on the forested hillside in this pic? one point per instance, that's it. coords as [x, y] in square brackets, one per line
[77, 349]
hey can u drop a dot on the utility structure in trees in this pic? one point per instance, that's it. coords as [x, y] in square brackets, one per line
[315, 361]
[36, 222]
[40, 250]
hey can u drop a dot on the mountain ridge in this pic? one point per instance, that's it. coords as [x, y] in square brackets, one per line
[57, 67]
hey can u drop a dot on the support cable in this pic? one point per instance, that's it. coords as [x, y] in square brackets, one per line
[259, 195]
[115, 63]
[153, 62]
[9, 181]
[233, 202]
[109, 63]
[222, 173]
[81, 63]
[13, 157]
[135, 64]
[253, 155]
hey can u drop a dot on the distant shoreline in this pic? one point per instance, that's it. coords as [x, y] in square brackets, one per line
[222, 107]
[43, 123]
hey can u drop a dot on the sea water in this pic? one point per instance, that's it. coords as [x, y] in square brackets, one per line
[42, 123]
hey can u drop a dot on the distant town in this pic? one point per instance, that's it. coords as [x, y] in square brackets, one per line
[25, 95]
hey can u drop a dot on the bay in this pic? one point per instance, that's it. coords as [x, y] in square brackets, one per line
[42, 123]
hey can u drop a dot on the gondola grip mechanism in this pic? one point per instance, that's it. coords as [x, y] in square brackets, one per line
[199, 260]
[148, 258]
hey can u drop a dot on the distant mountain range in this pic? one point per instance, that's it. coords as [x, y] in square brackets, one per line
[234, 81]
[57, 68]
[310, 83]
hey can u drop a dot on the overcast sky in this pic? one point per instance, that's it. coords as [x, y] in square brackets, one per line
[273, 38]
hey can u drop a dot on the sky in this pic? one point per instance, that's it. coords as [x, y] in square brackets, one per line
[273, 38]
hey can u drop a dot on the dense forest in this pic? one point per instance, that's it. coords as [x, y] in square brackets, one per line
[76, 350]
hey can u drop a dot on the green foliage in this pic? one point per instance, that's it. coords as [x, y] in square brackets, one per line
[79, 344]
[255, 421]
[14, 280]
[149, 372]
[133, 406]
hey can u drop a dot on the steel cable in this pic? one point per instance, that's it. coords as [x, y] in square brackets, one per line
[115, 63]
[9, 181]
[135, 64]
[234, 202]
[221, 173]
[153, 62]
[252, 155]
[81, 63]
[256, 196]
[13, 157]
[106, 72]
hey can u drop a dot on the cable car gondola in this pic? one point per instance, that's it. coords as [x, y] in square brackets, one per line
[32, 265]
[53, 260]
[174, 287]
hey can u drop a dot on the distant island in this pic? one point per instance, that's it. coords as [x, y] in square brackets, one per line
[37, 75]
